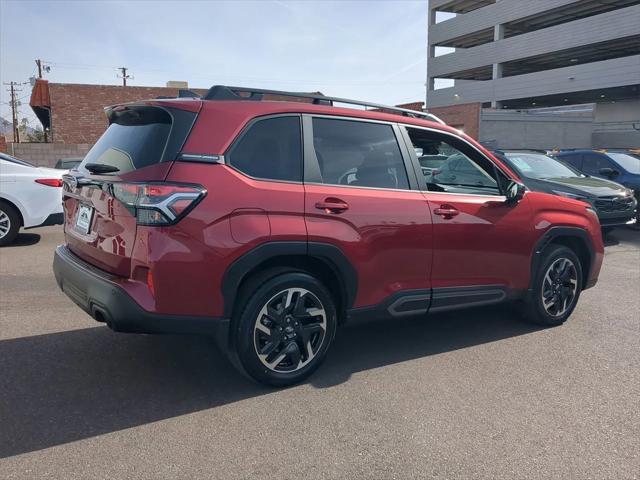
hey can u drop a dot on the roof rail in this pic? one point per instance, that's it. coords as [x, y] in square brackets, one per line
[223, 92]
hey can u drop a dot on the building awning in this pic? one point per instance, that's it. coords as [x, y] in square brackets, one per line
[41, 102]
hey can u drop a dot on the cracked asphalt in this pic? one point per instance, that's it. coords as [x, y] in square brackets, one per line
[474, 394]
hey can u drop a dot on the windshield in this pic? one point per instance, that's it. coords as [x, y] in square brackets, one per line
[537, 165]
[630, 163]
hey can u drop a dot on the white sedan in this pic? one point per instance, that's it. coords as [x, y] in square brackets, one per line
[29, 197]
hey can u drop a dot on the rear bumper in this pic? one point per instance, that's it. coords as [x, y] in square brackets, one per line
[97, 293]
[53, 219]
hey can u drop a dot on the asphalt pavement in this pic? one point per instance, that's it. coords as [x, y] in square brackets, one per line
[473, 394]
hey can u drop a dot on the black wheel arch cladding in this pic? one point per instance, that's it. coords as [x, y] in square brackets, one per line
[330, 256]
[570, 237]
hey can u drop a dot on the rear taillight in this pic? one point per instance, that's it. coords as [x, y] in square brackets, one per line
[158, 203]
[49, 182]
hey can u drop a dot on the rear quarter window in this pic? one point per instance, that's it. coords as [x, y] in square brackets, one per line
[270, 149]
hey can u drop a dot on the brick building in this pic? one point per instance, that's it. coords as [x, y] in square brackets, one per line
[74, 113]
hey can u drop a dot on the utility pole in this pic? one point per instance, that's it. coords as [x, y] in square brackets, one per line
[124, 75]
[14, 110]
[42, 67]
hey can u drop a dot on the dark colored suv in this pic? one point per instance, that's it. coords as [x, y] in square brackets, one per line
[614, 203]
[622, 166]
[267, 223]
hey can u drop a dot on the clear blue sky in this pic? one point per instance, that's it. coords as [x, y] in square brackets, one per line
[371, 50]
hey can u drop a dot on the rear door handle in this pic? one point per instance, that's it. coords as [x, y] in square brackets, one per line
[446, 211]
[332, 205]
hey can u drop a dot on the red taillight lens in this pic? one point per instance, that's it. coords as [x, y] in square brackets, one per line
[49, 182]
[158, 203]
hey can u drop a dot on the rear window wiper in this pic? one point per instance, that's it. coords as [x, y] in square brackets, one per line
[101, 168]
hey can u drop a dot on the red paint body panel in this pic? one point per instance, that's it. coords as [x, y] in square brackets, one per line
[386, 234]
[395, 240]
[487, 243]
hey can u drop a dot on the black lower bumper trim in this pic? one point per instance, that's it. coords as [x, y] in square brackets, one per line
[94, 291]
[618, 221]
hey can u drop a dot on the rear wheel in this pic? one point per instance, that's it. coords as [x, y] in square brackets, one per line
[556, 287]
[9, 223]
[285, 329]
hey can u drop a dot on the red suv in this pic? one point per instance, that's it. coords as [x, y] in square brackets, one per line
[267, 223]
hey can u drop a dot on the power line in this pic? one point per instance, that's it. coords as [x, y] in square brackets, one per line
[309, 82]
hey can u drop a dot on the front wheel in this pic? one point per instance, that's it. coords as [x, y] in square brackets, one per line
[285, 329]
[556, 287]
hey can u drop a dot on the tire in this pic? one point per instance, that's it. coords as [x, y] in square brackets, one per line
[559, 274]
[607, 230]
[10, 223]
[286, 327]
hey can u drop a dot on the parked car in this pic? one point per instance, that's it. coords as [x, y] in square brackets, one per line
[623, 166]
[67, 163]
[267, 223]
[30, 197]
[614, 203]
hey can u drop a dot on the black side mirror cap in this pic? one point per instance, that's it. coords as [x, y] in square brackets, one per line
[514, 193]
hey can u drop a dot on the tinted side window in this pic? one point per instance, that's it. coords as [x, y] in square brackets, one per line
[360, 154]
[450, 166]
[575, 160]
[593, 163]
[270, 149]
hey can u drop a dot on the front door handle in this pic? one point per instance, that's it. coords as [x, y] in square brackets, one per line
[332, 205]
[446, 211]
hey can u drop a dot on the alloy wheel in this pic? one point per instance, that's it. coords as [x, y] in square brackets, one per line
[290, 330]
[559, 287]
[5, 224]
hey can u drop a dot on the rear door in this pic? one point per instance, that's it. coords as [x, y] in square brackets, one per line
[139, 145]
[480, 244]
[361, 197]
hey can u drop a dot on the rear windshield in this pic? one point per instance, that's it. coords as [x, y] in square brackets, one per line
[15, 160]
[139, 137]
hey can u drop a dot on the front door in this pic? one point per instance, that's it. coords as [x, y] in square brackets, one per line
[360, 197]
[480, 243]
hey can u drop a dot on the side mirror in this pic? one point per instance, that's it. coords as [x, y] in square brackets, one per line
[515, 192]
[609, 172]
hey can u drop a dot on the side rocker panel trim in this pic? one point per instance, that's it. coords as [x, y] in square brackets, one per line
[452, 298]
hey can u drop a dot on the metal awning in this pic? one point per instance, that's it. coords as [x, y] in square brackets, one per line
[41, 102]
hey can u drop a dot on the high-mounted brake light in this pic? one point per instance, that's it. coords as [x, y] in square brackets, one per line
[158, 203]
[49, 182]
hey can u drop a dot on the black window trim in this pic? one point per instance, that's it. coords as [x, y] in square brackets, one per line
[418, 168]
[226, 156]
[312, 174]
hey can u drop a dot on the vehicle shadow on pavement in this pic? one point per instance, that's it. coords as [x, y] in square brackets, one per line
[25, 240]
[67, 386]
